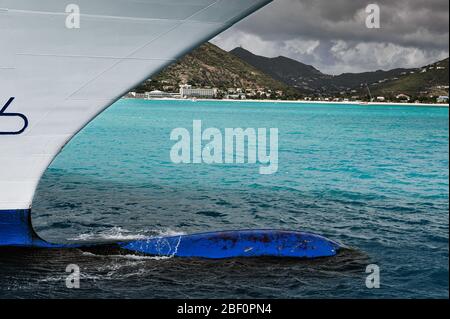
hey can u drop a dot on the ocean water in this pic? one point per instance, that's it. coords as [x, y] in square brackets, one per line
[375, 178]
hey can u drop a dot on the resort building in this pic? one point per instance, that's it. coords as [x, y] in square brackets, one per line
[160, 94]
[186, 91]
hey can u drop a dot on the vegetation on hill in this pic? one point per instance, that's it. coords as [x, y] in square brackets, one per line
[289, 71]
[358, 80]
[431, 80]
[210, 66]
[307, 77]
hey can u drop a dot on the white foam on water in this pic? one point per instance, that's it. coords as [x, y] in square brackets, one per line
[170, 233]
[122, 234]
[142, 258]
[115, 233]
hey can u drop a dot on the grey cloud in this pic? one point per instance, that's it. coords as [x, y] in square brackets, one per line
[419, 27]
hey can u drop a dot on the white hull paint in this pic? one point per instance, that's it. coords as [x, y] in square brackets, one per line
[60, 78]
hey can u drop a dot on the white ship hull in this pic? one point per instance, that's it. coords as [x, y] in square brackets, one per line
[54, 79]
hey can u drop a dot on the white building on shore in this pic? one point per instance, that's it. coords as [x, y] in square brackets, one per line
[186, 91]
[442, 99]
[160, 94]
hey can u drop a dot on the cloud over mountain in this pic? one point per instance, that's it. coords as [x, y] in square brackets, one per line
[332, 35]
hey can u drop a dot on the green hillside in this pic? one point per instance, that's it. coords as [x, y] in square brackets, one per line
[431, 80]
[293, 73]
[210, 66]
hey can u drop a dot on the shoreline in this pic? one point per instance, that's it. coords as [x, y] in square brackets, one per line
[300, 102]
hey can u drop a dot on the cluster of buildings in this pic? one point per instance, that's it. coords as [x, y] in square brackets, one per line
[399, 98]
[187, 91]
[404, 98]
[257, 93]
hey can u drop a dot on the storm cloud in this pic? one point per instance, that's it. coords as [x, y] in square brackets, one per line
[332, 34]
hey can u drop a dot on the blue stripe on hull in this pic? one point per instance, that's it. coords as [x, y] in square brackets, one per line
[16, 230]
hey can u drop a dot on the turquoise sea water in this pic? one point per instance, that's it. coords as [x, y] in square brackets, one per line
[372, 177]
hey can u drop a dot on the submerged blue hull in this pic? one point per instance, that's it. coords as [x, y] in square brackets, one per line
[16, 231]
[241, 243]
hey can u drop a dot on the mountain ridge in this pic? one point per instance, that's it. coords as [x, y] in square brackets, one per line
[210, 66]
[307, 77]
[286, 70]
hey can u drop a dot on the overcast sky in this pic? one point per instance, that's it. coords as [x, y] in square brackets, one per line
[332, 34]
